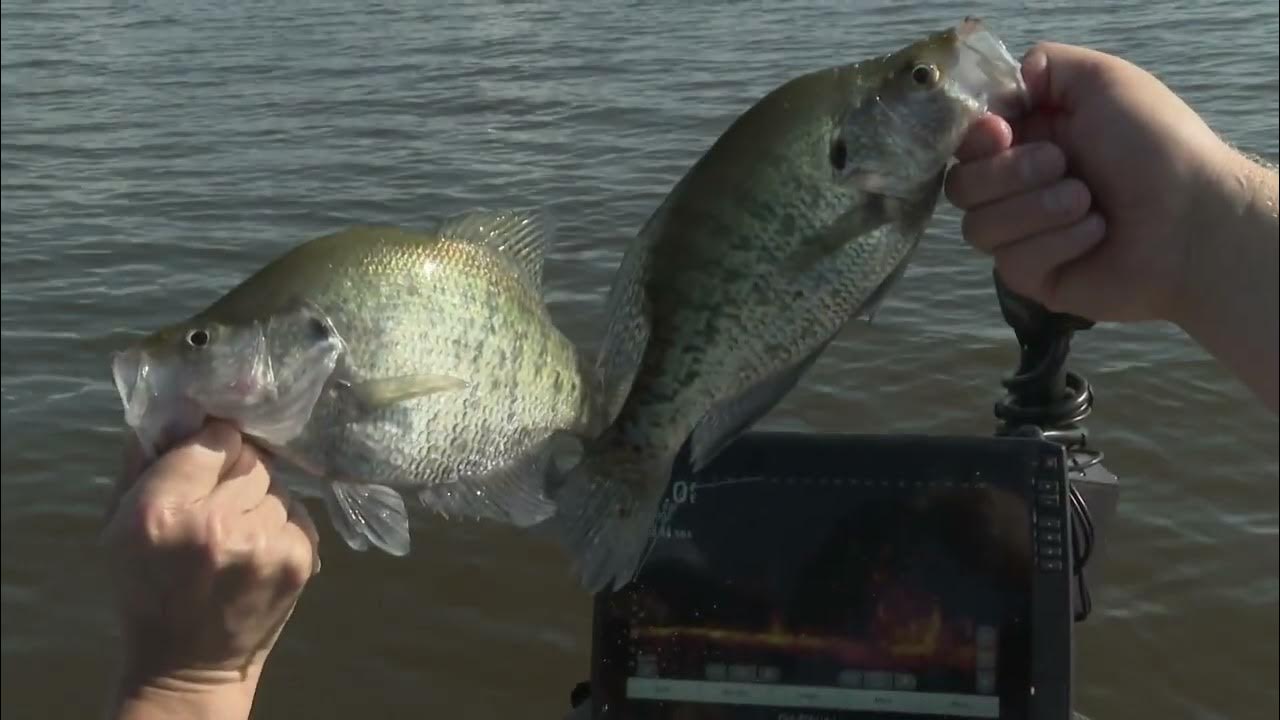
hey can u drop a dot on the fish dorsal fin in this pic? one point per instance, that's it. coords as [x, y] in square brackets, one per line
[522, 235]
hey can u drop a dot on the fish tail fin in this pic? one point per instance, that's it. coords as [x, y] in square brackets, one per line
[606, 508]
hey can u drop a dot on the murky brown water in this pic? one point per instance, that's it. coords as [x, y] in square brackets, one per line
[153, 154]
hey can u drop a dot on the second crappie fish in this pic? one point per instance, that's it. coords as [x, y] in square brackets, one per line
[800, 217]
[380, 361]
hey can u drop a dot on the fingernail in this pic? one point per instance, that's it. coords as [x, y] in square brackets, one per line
[1034, 63]
[1061, 197]
[1035, 73]
[1093, 227]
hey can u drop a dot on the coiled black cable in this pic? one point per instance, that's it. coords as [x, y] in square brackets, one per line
[1052, 401]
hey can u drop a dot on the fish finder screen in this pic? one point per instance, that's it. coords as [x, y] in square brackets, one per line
[827, 598]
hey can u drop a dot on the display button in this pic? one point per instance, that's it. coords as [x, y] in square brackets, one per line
[1047, 486]
[876, 680]
[986, 682]
[1051, 565]
[849, 678]
[1046, 500]
[1050, 536]
[647, 666]
[986, 636]
[1049, 521]
[1050, 551]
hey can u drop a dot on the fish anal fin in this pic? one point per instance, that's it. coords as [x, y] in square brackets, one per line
[513, 493]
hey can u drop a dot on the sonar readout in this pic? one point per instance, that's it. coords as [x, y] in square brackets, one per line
[883, 599]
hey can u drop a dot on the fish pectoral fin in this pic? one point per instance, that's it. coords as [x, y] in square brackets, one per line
[513, 493]
[521, 235]
[873, 302]
[870, 215]
[382, 392]
[364, 514]
[730, 418]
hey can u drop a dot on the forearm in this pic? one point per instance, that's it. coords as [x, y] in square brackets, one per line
[1231, 302]
[216, 695]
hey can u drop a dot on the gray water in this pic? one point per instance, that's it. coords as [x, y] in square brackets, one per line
[155, 153]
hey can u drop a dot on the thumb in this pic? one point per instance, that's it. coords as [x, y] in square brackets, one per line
[1062, 77]
[194, 467]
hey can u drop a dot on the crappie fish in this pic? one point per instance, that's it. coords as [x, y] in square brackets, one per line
[378, 362]
[800, 217]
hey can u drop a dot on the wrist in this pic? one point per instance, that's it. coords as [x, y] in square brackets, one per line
[197, 694]
[1230, 299]
[1232, 228]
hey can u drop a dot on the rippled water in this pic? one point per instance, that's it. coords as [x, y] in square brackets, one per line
[155, 153]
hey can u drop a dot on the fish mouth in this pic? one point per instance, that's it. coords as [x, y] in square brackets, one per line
[157, 414]
[987, 70]
[128, 372]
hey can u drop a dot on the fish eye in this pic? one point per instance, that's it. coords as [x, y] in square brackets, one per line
[839, 154]
[319, 329]
[197, 338]
[925, 75]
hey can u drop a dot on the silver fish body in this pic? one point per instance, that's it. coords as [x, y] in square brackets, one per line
[800, 217]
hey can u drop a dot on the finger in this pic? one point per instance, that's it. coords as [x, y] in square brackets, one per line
[250, 535]
[1032, 266]
[299, 516]
[191, 470]
[301, 519]
[249, 457]
[1012, 171]
[272, 513]
[1040, 126]
[245, 484]
[254, 535]
[996, 224]
[989, 135]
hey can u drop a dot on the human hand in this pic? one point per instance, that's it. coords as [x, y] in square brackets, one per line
[209, 557]
[1092, 203]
